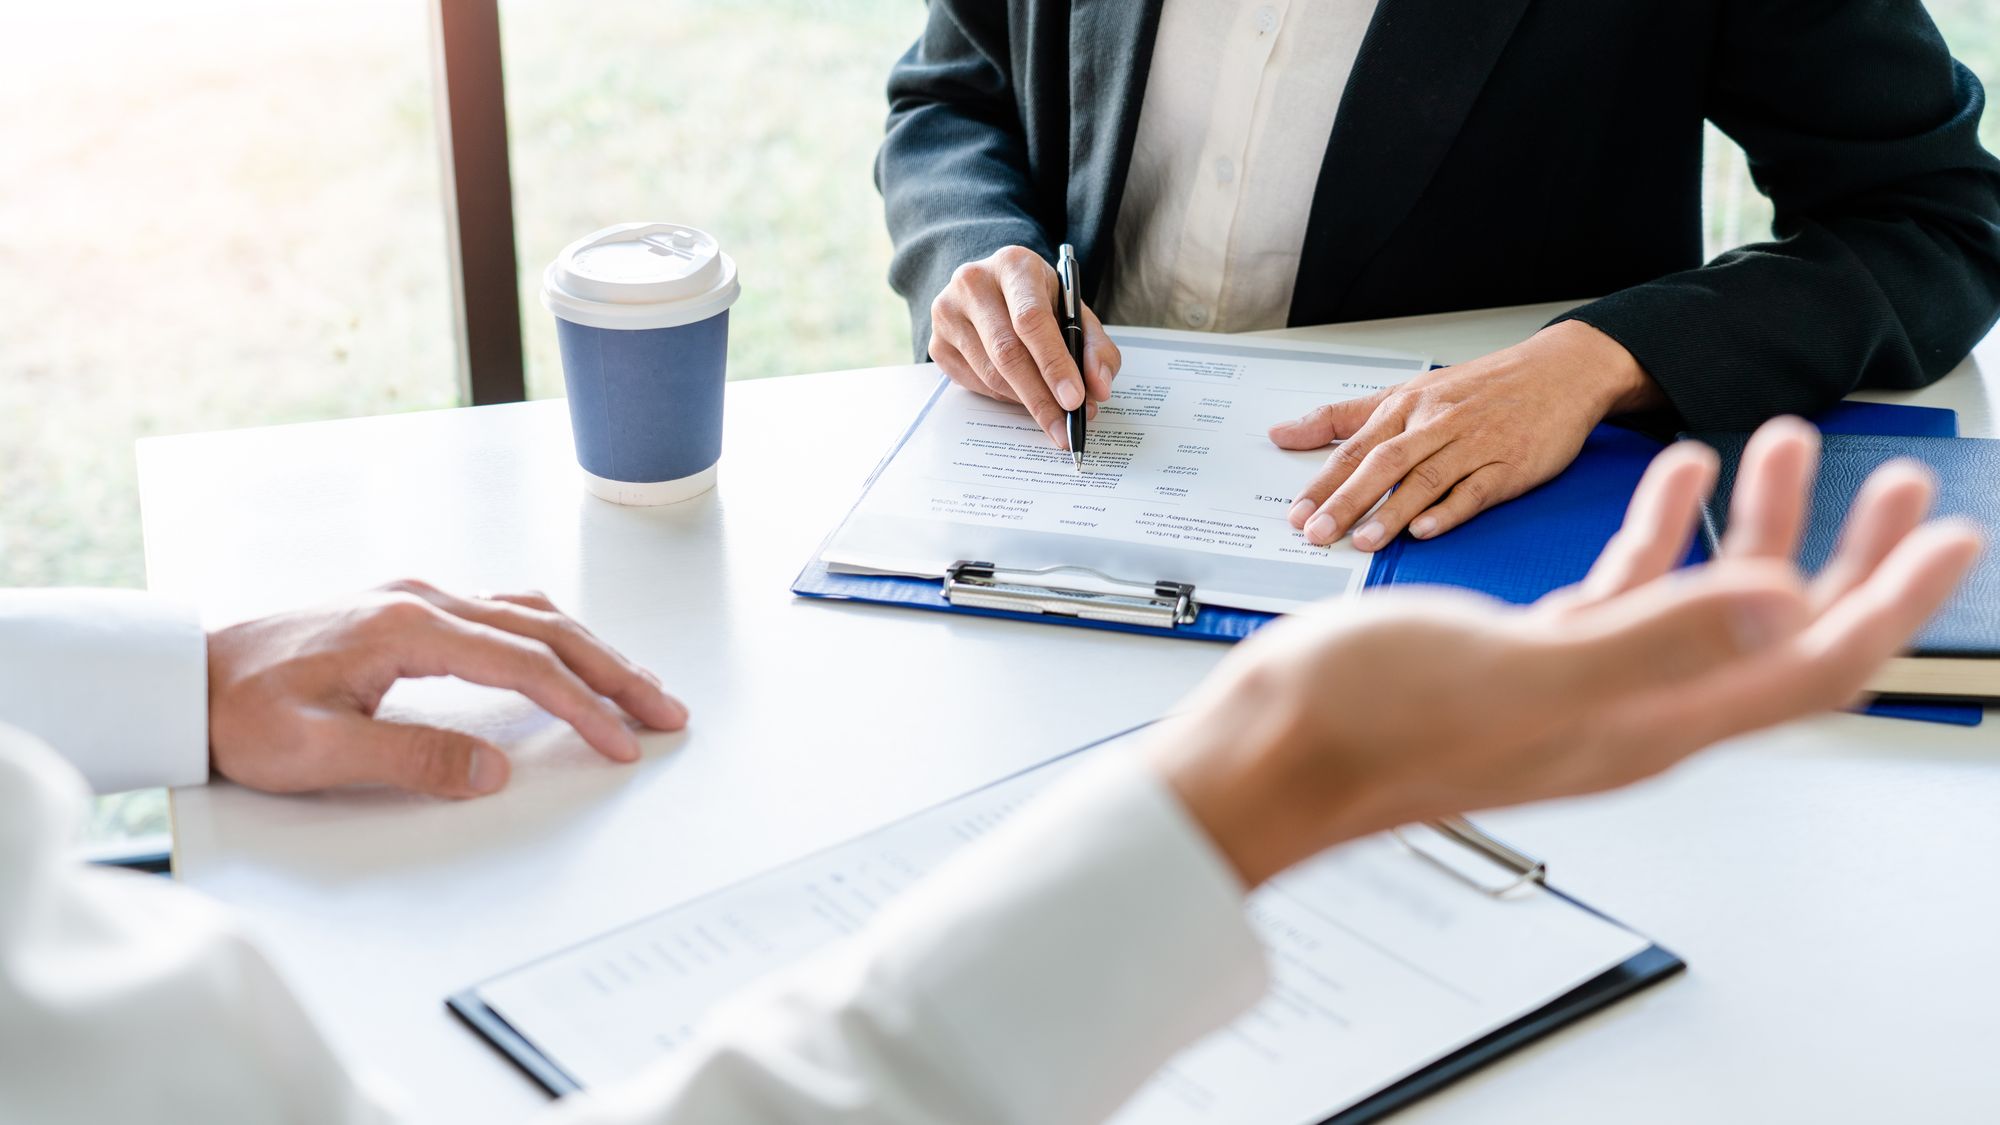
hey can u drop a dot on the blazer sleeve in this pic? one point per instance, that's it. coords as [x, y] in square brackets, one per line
[1884, 268]
[116, 679]
[953, 168]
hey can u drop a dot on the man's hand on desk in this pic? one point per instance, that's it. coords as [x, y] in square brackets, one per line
[994, 331]
[1456, 441]
[292, 698]
[1392, 709]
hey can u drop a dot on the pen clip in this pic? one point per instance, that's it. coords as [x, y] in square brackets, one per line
[1524, 868]
[1066, 274]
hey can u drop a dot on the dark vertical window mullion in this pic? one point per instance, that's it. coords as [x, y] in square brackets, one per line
[478, 200]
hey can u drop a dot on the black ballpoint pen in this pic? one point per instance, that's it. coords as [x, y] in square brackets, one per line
[1069, 307]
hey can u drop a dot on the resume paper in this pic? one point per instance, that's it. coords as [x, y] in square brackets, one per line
[1180, 481]
[1381, 964]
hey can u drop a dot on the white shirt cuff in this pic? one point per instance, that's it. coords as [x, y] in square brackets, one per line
[115, 680]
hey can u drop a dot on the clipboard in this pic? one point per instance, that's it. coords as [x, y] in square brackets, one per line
[1063, 595]
[1469, 849]
[1506, 552]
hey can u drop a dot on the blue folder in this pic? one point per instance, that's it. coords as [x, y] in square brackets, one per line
[1517, 552]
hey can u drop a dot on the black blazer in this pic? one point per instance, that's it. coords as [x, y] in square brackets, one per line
[1499, 152]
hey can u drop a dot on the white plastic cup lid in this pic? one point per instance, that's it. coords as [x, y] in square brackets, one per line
[640, 275]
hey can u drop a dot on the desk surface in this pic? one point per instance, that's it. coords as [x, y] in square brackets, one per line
[1830, 883]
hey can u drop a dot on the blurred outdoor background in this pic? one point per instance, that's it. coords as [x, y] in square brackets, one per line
[220, 213]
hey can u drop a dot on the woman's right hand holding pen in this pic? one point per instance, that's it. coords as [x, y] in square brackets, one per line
[994, 331]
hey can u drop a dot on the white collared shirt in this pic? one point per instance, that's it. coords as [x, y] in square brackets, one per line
[1239, 105]
[982, 995]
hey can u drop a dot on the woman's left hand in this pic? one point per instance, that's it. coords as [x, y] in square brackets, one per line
[1456, 441]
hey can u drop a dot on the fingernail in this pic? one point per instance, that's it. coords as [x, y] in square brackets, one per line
[1069, 394]
[677, 709]
[488, 772]
[1425, 527]
[1300, 511]
[1320, 530]
[1056, 435]
[1761, 621]
[1369, 535]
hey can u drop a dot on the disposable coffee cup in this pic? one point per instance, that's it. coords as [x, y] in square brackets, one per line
[642, 318]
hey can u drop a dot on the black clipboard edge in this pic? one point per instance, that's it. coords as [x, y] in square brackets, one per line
[517, 1048]
[1643, 970]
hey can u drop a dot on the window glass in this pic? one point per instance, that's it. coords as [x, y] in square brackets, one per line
[213, 213]
[756, 120]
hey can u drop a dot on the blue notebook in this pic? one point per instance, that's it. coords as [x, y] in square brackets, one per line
[1509, 553]
[1517, 552]
[1957, 655]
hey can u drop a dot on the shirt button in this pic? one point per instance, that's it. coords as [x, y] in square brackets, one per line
[1225, 169]
[1267, 20]
[1196, 316]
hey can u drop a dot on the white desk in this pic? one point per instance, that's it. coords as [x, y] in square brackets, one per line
[1832, 885]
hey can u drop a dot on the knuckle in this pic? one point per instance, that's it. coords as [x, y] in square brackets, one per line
[1390, 455]
[563, 628]
[440, 761]
[1007, 350]
[1347, 456]
[1473, 491]
[1015, 256]
[1428, 477]
[402, 610]
[536, 653]
[415, 586]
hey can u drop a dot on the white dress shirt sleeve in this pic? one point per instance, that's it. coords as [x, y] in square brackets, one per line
[117, 678]
[125, 998]
[1040, 977]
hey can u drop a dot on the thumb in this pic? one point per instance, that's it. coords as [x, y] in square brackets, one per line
[1674, 630]
[1335, 421]
[442, 763]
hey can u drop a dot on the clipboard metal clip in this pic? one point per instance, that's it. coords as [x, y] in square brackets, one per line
[1070, 591]
[1522, 869]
